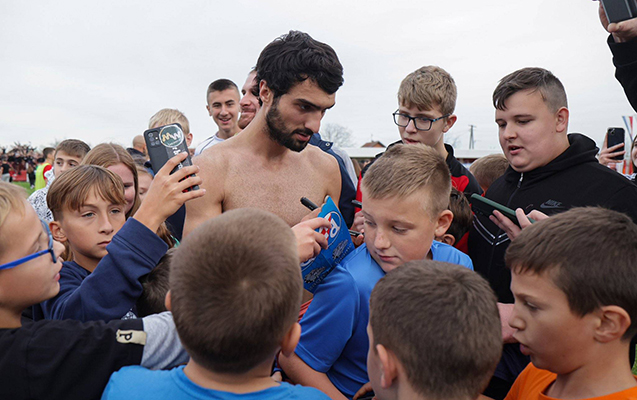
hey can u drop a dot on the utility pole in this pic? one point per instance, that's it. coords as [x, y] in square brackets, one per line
[472, 141]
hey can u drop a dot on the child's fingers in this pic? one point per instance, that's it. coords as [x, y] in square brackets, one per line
[189, 182]
[171, 164]
[184, 172]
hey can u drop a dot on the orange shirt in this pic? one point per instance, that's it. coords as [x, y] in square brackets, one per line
[533, 382]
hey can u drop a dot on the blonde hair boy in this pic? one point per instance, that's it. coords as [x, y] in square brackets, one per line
[405, 199]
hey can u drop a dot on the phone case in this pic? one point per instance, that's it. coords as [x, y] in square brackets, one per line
[165, 142]
[615, 136]
[483, 206]
[619, 10]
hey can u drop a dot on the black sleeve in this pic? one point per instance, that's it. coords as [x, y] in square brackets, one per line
[625, 61]
[64, 359]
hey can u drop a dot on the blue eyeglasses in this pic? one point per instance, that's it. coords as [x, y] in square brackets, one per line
[34, 255]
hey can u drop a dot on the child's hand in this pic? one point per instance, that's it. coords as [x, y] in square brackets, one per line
[309, 242]
[511, 229]
[359, 222]
[366, 388]
[166, 193]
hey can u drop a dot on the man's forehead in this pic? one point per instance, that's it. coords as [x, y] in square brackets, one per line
[309, 91]
[223, 95]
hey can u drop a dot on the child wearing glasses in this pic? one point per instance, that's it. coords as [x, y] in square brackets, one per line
[61, 359]
[426, 101]
[109, 253]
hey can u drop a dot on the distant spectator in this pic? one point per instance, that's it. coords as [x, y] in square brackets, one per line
[223, 106]
[489, 168]
[42, 171]
[139, 148]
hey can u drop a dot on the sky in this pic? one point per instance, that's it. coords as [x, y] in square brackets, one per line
[97, 71]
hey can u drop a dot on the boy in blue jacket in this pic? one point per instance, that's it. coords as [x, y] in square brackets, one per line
[109, 254]
[406, 195]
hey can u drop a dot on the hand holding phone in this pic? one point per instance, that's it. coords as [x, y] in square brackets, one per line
[614, 137]
[168, 192]
[485, 207]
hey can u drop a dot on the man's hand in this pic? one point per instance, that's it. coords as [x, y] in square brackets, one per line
[309, 242]
[505, 316]
[511, 229]
[623, 31]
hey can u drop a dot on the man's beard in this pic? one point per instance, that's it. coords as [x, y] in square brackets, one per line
[278, 132]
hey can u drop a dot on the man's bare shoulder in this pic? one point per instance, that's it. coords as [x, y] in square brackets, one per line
[319, 158]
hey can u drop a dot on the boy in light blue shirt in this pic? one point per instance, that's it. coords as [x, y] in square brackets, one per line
[406, 195]
[235, 295]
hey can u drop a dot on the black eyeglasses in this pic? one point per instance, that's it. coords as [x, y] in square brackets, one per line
[22, 260]
[421, 123]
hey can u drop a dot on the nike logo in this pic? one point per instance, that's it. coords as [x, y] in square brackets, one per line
[551, 204]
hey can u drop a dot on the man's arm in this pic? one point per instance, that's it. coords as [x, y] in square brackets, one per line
[302, 374]
[213, 174]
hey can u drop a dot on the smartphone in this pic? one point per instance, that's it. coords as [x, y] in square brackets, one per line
[165, 142]
[615, 136]
[483, 206]
[619, 10]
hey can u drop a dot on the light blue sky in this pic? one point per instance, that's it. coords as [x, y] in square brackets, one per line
[97, 71]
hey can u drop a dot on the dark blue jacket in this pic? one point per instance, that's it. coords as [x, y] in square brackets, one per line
[113, 288]
[348, 190]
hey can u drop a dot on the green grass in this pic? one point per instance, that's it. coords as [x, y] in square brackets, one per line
[26, 186]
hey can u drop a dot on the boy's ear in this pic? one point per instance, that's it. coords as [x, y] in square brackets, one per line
[449, 121]
[613, 323]
[443, 223]
[561, 120]
[389, 366]
[447, 238]
[291, 339]
[57, 231]
[168, 301]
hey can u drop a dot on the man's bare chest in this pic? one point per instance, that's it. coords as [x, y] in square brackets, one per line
[277, 191]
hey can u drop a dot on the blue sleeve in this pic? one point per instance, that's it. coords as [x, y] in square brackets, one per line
[113, 288]
[329, 322]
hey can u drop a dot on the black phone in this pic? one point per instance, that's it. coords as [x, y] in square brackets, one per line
[483, 206]
[165, 142]
[615, 136]
[619, 10]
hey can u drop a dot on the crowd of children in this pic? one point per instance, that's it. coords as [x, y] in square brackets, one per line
[100, 296]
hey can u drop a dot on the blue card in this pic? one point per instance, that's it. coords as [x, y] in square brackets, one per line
[339, 244]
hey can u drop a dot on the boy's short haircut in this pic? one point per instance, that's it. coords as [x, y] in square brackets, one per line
[533, 79]
[404, 170]
[12, 199]
[47, 151]
[169, 116]
[220, 85]
[72, 188]
[442, 322]
[590, 255]
[428, 87]
[73, 147]
[236, 289]
[489, 168]
[155, 285]
[462, 215]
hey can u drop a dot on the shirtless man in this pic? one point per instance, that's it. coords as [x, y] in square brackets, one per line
[269, 165]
